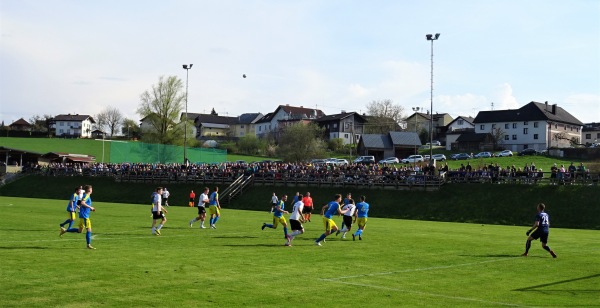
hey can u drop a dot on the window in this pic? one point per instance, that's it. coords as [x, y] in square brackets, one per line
[588, 136]
[555, 126]
[334, 125]
[482, 126]
[598, 135]
[525, 123]
[514, 125]
[241, 133]
[506, 137]
[346, 136]
[506, 126]
[460, 122]
[535, 124]
[514, 137]
[260, 128]
[493, 126]
[60, 130]
[62, 124]
[525, 130]
[242, 126]
[535, 136]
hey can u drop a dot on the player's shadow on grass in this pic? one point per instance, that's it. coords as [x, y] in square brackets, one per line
[234, 236]
[22, 247]
[253, 245]
[495, 256]
[542, 287]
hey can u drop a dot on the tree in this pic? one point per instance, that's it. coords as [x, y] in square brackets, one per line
[109, 118]
[161, 107]
[130, 128]
[250, 145]
[301, 142]
[384, 117]
[497, 137]
[40, 123]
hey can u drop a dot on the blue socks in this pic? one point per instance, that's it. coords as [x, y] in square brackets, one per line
[358, 232]
[322, 237]
[215, 220]
[285, 231]
[269, 226]
[88, 237]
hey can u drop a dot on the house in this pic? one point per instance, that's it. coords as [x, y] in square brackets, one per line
[590, 133]
[21, 125]
[245, 124]
[212, 126]
[535, 125]
[422, 121]
[269, 124]
[346, 125]
[474, 142]
[396, 144]
[98, 134]
[73, 125]
[458, 126]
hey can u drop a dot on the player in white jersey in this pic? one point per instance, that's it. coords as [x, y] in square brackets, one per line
[347, 225]
[202, 203]
[296, 220]
[157, 212]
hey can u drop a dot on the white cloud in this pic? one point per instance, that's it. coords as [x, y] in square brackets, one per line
[503, 97]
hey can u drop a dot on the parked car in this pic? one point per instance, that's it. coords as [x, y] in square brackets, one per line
[318, 161]
[426, 157]
[340, 161]
[483, 155]
[390, 160]
[439, 157]
[365, 160]
[504, 153]
[453, 156]
[434, 142]
[528, 152]
[413, 159]
[462, 156]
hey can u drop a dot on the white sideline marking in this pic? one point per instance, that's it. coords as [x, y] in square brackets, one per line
[338, 280]
[416, 269]
[431, 294]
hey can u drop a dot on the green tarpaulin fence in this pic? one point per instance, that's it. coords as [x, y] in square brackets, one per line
[139, 152]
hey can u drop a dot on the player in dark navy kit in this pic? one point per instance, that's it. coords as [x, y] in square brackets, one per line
[542, 229]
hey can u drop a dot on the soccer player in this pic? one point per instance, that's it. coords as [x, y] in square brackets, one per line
[296, 220]
[308, 206]
[158, 212]
[85, 207]
[346, 202]
[214, 207]
[165, 196]
[71, 210]
[332, 208]
[360, 215]
[542, 229]
[192, 199]
[274, 201]
[278, 218]
[202, 203]
[348, 216]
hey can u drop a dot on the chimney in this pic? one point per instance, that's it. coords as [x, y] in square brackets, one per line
[553, 108]
[546, 106]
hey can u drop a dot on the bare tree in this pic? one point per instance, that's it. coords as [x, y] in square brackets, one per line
[161, 107]
[40, 123]
[384, 116]
[498, 137]
[109, 118]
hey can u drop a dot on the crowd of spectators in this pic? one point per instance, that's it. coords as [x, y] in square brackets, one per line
[350, 173]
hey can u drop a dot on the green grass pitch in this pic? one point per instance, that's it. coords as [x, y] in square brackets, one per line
[398, 262]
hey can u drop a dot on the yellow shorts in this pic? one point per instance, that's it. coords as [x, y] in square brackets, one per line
[278, 220]
[361, 222]
[85, 223]
[71, 215]
[214, 210]
[329, 224]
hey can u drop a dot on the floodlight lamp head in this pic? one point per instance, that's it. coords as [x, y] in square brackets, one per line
[428, 36]
[436, 37]
[193, 64]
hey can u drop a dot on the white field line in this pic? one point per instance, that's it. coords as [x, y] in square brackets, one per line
[339, 280]
[459, 298]
[417, 269]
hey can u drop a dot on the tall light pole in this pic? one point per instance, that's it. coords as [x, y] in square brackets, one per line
[416, 110]
[187, 68]
[431, 37]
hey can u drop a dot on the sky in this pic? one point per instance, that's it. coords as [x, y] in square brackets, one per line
[79, 57]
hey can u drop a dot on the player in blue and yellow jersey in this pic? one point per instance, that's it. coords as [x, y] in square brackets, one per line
[278, 218]
[214, 207]
[332, 208]
[361, 214]
[85, 207]
[542, 230]
[71, 210]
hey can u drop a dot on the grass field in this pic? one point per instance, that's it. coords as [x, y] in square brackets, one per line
[399, 263]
